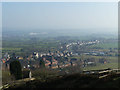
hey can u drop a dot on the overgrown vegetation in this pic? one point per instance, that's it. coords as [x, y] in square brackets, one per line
[72, 81]
[42, 74]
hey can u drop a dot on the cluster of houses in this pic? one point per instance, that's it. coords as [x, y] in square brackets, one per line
[91, 52]
[54, 60]
[57, 54]
[50, 60]
[95, 53]
[82, 43]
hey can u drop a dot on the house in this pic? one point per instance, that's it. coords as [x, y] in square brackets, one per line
[73, 63]
[47, 63]
[48, 53]
[86, 53]
[60, 65]
[44, 59]
[66, 64]
[20, 58]
[41, 55]
[7, 56]
[61, 54]
[51, 53]
[37, 55]
[3, 61]
[90, 62]
[54, 61]
[54, 66]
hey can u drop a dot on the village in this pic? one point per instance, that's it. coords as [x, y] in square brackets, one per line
[59, 59]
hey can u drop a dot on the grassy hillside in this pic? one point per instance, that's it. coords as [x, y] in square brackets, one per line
[72, 81]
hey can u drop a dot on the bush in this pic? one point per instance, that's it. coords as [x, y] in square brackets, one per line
[7, 78]
[25, 73]
[43, 74]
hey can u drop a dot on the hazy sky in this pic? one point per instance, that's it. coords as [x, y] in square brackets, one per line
[62, 15]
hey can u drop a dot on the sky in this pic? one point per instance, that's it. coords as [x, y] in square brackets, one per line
[59, 15]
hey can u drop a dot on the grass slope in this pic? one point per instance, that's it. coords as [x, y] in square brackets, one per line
[72, 81]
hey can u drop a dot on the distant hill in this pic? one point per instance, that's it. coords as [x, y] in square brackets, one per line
[84, 33]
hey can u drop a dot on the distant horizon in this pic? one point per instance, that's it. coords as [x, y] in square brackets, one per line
[104, 30]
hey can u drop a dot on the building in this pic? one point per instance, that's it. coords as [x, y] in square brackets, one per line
[20, 58]
[47, 63]
[54, 66]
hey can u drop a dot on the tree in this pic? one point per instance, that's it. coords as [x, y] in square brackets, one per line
[13, 57]
[42, 63]
[15, 69]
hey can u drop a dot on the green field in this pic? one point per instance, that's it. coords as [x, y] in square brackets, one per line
[11, 49]
[106, 45]
[102, 66]
[113, 62]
